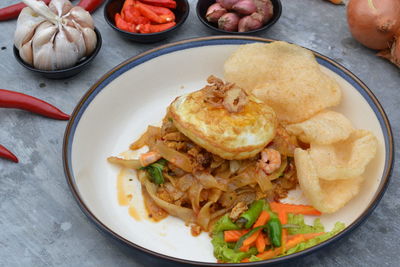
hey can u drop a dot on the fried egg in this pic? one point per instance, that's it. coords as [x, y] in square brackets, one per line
[230, 135]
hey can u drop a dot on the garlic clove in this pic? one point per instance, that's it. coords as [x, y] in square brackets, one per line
[90, 40]
[40, 8]
[81, 16]
[44, 34]
[25, 52]
[42, 46]
[26, 26]
[75, 36]
[65, 52]
[60, 7]
[43, 57]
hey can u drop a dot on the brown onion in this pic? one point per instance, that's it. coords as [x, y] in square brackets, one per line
[214, 12]
[374, 22]
[229, 22]
[392, 54]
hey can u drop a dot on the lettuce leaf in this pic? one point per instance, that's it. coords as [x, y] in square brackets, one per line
[224, 253]
[303, 227]
[339, 226]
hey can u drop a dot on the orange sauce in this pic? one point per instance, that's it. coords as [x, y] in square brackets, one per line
[133, 212]
[125, 199]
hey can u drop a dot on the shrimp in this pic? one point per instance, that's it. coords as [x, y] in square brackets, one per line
[270, 160]
[149, 158]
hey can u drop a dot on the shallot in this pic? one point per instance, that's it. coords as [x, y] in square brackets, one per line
[264, 8]
[229, 22]
[245, 7]
[249, 23]
[214, 12]
[374, 23]
[228, 4]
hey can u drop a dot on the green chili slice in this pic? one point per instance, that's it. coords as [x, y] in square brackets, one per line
[248, 217]
[275, 231]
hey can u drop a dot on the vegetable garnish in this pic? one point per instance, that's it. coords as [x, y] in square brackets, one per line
[155, 171]
[7, 154]
[295, 209]
[267, 237]
[247, 219]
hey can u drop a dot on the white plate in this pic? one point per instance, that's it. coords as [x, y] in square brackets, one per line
[118, 108]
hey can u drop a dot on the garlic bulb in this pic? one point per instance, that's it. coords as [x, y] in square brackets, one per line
[56, 36]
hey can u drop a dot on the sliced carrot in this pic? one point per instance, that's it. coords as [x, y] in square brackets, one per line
[251, 239]
[290, 243]
[262, 219]
[293, 208]
[284, 239]
[260, 243]
[233, 235]
[269, 254]
[307, 236]
[267, 242]
[245, 260]
[282, 217]
[244, 248]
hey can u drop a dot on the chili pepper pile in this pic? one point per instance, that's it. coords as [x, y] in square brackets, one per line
[11, 99]
[12, 12]
[146, 16]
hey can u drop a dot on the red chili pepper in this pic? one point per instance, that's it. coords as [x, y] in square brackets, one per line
[90, 5]
[121, 23]
[151, 28]
[132, 15]
[12, 12]
[162, 3]
[164, 13]
[127, 4]
[7, 154]
[11, 99]
[148, 13]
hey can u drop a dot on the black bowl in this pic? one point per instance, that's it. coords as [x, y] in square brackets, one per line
[114, 6]
[65, 73]
[201, 10]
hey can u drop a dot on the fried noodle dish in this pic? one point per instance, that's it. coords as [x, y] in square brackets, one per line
[181, 177]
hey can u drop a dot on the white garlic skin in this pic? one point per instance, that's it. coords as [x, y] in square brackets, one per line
[54, 37]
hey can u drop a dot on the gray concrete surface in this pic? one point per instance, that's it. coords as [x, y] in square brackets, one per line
[40, 223]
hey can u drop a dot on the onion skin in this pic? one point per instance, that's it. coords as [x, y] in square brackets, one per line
[228, 4]
[374, 23]
[245, 7]
[214, 12]
[249, 23]
[392, 54]
[229, 22]
[395, 51]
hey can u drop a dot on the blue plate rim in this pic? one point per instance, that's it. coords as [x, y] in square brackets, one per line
[224, 40]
